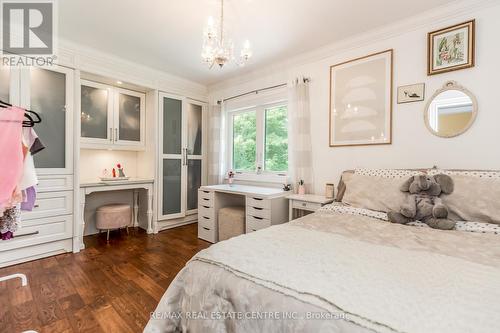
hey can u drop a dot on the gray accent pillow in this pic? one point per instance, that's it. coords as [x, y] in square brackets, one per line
[474, 199]
[376, 193]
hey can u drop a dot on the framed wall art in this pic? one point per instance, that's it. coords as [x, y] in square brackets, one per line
[411, 93]
[451, 48]
[361, 101]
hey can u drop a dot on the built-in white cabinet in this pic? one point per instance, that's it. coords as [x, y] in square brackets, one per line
[182, 155]
[112, 118]
[48, 229]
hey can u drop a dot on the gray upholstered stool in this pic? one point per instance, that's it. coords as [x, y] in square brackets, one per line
[113, 216]
[231, 222]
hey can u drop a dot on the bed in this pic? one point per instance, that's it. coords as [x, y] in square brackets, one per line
[341, 269]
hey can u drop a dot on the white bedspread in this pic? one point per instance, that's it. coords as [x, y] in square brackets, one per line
[447, 294]
[387, 278]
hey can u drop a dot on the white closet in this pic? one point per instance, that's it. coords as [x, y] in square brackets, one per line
[49, 226]
[182, 151]
[112, 118]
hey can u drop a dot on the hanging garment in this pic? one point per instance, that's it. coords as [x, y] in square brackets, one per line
[29, 199]
[9, 222]
[32, 140]
[11, 157]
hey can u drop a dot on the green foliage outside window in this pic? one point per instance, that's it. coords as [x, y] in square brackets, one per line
[244, 141]
[276, 144]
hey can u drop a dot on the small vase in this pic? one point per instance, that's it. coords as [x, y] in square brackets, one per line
[301, 190]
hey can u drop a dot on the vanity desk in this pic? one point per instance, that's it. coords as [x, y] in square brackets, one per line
[264, 207]
[134, 184]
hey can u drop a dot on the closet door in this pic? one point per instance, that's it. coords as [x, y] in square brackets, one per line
[50, 93]
[172, 185]
[129, 119]
[9, 85]
[96, 114]
[194, 152]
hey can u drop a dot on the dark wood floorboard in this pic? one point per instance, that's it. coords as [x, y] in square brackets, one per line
[105, 288]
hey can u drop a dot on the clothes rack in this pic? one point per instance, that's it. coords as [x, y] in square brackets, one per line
[24, 279]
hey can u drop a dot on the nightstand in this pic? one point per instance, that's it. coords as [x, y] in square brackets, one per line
[307, 202]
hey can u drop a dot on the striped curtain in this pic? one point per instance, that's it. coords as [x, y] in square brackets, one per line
[216, 144]
[299, 134]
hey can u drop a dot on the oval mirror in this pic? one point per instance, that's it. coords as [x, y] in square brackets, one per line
[451, 111]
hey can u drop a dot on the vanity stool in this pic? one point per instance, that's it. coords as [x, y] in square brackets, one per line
[231, 222]
[113, 216]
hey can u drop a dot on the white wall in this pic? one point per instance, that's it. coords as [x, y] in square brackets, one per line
[94, 161]
[413, 145]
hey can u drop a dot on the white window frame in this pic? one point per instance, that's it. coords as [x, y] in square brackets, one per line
[280, 177]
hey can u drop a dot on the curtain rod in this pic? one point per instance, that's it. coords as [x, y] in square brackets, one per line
[257, 91]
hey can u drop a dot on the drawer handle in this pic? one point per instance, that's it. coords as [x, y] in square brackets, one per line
[208, 229]
[258, 208]
[304, 204]
[208, 218]
[205, 207]
[205, 199]
[258, 218]
[258, 199]
[36, 206]
[254, 230]
[206, 192]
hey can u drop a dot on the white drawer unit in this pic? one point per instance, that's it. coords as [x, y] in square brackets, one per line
[311, 206]
[51, 204]
[264, 207]
[258, 212]
[206, 233]
[54, 183]
[255, 223]
[40, 231]
[306, 202]
[258, 202]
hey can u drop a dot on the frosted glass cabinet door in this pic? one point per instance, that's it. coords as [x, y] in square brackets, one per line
[4, 83]
[193, 183]
[194, 129]
[129, 117]
[96, 113]
[172, 126]
[172, 190]
[49, 92]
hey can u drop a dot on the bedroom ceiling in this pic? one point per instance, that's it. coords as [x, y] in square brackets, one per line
[167, 35]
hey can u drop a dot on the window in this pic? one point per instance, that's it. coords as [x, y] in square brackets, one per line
[258, 140]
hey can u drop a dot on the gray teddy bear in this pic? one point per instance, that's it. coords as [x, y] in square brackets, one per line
[423, 203]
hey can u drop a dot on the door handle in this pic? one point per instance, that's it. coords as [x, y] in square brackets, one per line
[116, 134]
[110, 134]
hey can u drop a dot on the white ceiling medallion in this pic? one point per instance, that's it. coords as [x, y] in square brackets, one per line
[219, 50]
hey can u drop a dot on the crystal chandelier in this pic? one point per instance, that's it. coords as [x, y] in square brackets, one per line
[218, 50]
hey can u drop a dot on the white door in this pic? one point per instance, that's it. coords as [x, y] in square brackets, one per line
[172, 184]
[96, 115]
[49, 92]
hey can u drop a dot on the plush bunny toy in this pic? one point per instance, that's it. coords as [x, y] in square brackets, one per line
[423, 203]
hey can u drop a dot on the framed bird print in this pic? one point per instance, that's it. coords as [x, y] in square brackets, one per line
[411, 93]
[451, 48]
[361, 101]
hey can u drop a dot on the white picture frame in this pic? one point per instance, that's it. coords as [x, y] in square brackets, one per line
[361, 101]
[411, 93]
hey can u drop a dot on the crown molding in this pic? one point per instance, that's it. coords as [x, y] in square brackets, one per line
[434, 17]
[100, 63]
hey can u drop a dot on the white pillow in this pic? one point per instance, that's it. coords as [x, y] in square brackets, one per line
[387, 173]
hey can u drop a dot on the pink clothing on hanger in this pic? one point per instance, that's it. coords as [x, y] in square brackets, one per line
[11, 153]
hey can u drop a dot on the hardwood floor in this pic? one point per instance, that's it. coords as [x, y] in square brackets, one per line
[105, 288]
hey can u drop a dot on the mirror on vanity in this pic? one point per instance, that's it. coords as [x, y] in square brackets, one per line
[451, 111]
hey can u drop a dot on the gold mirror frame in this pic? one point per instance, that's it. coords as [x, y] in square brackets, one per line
[451, 85]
